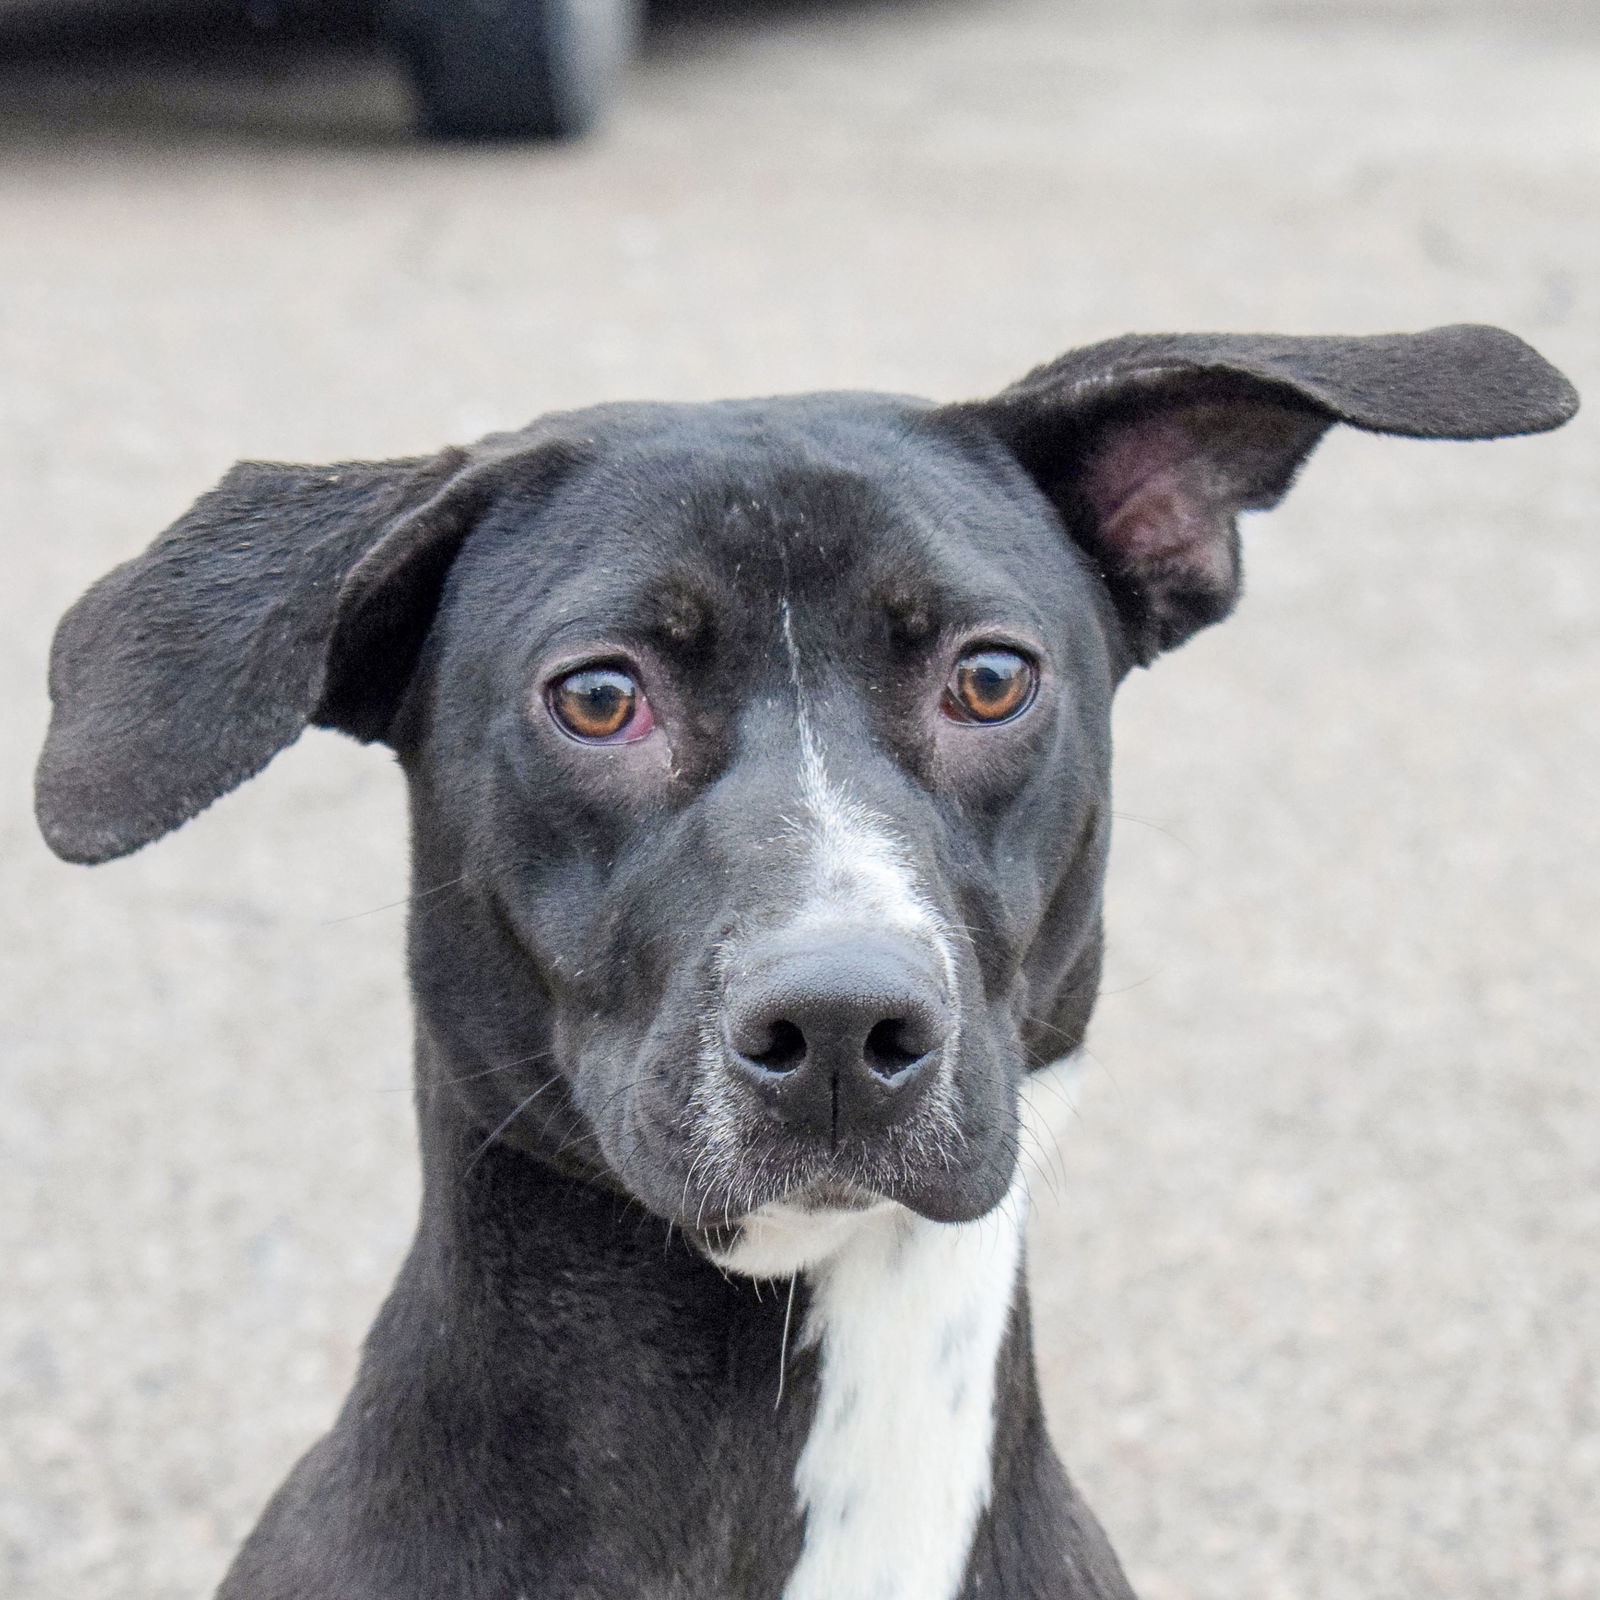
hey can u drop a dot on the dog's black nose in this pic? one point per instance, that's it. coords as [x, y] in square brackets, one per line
[836, 1034]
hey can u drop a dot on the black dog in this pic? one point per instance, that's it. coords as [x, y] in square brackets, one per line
[758, 757]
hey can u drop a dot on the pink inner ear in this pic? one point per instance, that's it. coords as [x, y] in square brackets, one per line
[1149, 486]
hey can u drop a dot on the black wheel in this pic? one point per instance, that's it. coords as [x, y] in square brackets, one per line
[510, 69]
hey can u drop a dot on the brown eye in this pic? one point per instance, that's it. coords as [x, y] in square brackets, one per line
[989, 686]
[600, 705]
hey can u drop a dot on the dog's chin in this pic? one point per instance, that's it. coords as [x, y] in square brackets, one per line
[941, 1191]
[832, 1194]
[940, 1196]
[705, 1196]
[810, 1223]
[958, 1196]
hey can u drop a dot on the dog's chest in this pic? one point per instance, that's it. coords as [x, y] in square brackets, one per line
[908, 1317]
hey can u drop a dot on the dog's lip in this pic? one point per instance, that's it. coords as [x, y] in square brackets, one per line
[832, 1194]
[819, 1199]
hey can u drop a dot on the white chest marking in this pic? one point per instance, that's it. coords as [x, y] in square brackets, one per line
[909, 1316]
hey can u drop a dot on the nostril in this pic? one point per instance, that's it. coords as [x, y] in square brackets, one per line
[891, 1047]
[784, 1050]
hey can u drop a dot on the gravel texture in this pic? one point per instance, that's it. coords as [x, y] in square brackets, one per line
[1315, 1266]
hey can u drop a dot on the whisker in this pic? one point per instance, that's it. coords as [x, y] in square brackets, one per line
[783, 1346]
[415, 898]
[502, 864]
[1138, 983]
[489, 1072]
[521, 1106]
[1145, 822]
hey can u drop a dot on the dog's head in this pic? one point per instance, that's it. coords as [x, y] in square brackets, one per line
[758, 751]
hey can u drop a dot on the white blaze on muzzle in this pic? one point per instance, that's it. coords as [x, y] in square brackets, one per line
[860, 872]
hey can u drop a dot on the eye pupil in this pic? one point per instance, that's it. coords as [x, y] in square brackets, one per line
[594, 703]
[990, 686]
[987, 685]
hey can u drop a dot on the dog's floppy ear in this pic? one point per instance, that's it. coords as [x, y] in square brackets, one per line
[286, 595]
[1151, 445]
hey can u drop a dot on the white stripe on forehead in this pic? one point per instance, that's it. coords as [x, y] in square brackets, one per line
[861, 870]
[860, 877]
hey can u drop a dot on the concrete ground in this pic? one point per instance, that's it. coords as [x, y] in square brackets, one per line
[1316, 1266]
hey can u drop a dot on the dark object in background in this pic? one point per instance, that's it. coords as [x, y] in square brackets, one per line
[479, 69]
[510, 69]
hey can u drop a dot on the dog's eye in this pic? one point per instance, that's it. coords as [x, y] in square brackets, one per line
[600, 705]
[989, 686]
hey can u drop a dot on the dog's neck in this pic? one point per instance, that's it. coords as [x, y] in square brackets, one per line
[832, 1379]
[909, 1318]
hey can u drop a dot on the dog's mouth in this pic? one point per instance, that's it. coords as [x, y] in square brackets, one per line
[715, 1160]
[832, 1193]
[782, 1237]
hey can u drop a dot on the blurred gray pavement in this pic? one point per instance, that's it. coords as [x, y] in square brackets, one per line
[1316, 1264]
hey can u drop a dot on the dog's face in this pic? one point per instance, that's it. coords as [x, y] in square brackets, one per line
[777, 734]
[759, 751]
